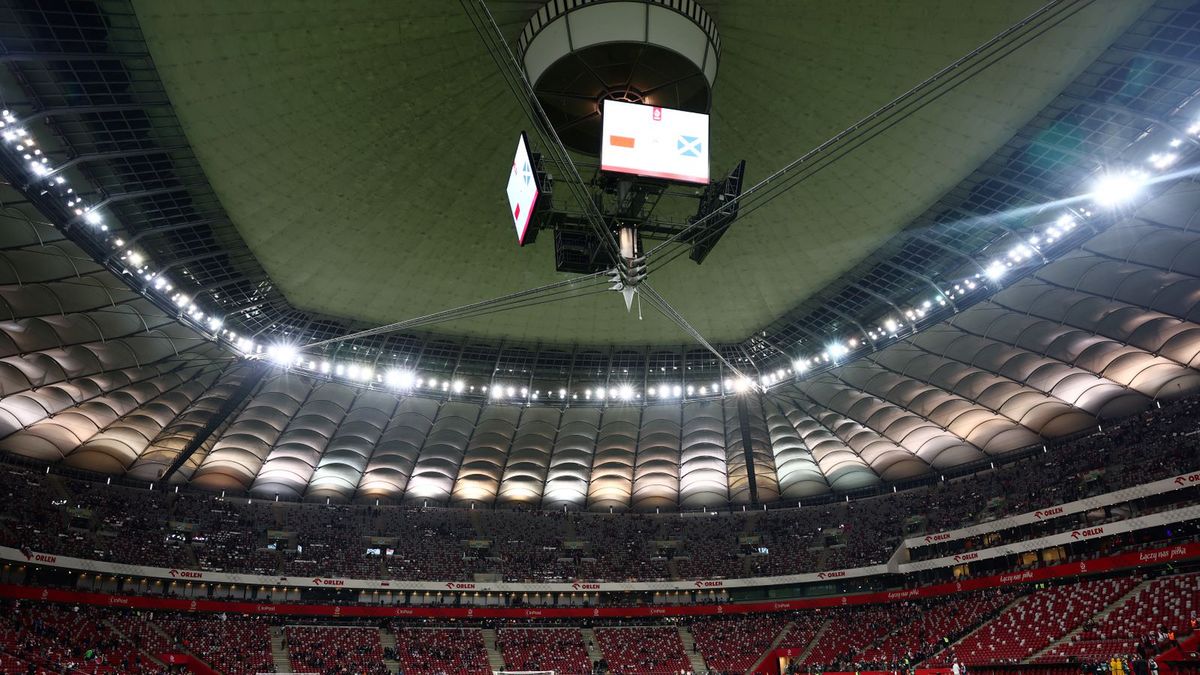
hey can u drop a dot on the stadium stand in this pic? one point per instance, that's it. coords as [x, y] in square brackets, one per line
[233, 646]
[234, 438]
[1037, 621]
[559, 649]
[448, 651]
[335, 649]
[56, 639]
[431, 544]
[638, 650]
[735, 644]
[1138, 624]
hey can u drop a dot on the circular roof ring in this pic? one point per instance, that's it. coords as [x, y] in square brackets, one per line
[578, 54]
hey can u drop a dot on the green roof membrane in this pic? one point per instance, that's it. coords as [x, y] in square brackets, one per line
[361, 148]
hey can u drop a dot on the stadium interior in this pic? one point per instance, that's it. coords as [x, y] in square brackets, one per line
[833, 337]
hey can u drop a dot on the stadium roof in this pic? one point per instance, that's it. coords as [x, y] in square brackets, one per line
[361, 150]
[952, 289]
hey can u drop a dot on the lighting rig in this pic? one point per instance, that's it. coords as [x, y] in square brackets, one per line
[627, 205]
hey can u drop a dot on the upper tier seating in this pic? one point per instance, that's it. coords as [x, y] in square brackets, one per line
[434, 544]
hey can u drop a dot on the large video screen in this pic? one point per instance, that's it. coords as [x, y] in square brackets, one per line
[522, 189]
[647, 140]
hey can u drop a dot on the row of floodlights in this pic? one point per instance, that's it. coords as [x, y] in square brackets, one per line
[1111, 190]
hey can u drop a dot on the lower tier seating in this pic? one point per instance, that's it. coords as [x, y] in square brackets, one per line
[643, 651]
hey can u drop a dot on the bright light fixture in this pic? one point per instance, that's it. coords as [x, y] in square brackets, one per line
[283, 354]
[995, 271]
[401, 379]
[1115, 189]
[1163, 160]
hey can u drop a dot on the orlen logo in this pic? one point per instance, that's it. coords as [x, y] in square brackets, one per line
[931, 538]
[42, 557]
[1090, 532]
[186, 574]
[458, 586]
[585, 587]
[1190, 478]
[831, 575]
[964, 557]
[709, 584]
[328, 582]
[1048, 512]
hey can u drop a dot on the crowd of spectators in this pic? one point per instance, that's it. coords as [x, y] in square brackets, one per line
[40, 638]
[191, 529]
[335, 650]
[1129, 616]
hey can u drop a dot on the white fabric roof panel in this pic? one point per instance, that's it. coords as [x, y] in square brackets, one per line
[96, 376]
[478, 481]
[528, 462]
[703, 472]
[611, 483]
[656, 467]
[340, 468]
[442, 453]
[571, 461]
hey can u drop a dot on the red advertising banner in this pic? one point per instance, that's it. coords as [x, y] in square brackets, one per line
[1123, 561]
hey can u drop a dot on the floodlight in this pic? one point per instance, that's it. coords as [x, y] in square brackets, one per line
[283, 354]
[1116, 189]
[995, 271]
[401, 379]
